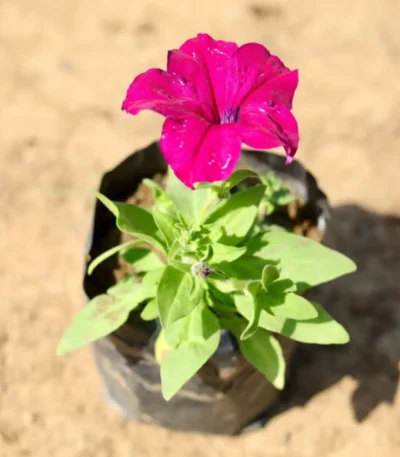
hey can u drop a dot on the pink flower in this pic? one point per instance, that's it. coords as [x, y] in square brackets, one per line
[216, 95]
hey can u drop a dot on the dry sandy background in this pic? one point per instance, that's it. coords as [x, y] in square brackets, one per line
[64, 67]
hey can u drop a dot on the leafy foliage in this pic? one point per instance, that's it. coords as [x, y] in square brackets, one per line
[204, 260]
[199, 338]
[277, 194]
[103, 315]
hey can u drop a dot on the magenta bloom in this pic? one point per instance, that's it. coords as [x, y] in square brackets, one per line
[216, 95]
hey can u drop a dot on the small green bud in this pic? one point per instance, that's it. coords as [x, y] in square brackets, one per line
[224, 195]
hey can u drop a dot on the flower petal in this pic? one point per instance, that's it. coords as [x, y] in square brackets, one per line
[180, 141]
[200, 152]
[218, 154]
[250, 67]
[204, 46]
[277, 91]
[256, 57]
[214, 58]
[158, 91]
[272, 68]
[262, 129]
[194, 72]
[247, 66]
[242, 72]
[252, 55]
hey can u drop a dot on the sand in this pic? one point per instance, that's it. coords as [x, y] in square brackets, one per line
[64, 68]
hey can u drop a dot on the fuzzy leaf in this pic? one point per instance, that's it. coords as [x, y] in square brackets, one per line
[150, 282]
[236, 216]
[100, 317]
[223, 253]
[174, 296]
[188, 202]
[237, 177]
[269, 274]
[150, 311]
[264, 352]
[109, 253]
[183, 361]
[320, 330]
[165, 222]
[135, 221]
[142, 259]
[161, 347]
[160, 196]
[289, 306]
[246, 268]
[254, 312]
[306, 262]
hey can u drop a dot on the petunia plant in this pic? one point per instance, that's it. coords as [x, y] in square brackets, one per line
[204, 257]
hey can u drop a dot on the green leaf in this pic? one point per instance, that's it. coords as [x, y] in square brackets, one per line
[134, 220]
[283, 197]
[282, 286]
[100, 317]
[207, 185]
[264, 352]
[182, 362]
[155, 187]
[183, 267]
[207, 253]
[219, 296]
[224, 195]
[277, 191]
[151, 281]
[187, 328]
[142, 259]
[233, 323]
[237, 177]
[272, 227]
[254, 313]
[306, 262]
[174, 251]
[225, 286]
[266, 208]
[246, 268]
[124, 286]
[174, 296]
[236, 216]
[178, 331]
[109, 253]
[150, 311]
[197, 292]
[161, 347]
[166, 224]
[187, 201]
[320, 330]
[269, 274]
[224, 253]
[289, 305]
[213, 232]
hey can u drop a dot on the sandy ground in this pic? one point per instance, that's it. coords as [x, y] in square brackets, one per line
[64, 67]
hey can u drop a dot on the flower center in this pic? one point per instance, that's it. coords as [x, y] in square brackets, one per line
[230, 116]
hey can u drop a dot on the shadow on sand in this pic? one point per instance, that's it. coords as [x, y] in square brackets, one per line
[367, 303]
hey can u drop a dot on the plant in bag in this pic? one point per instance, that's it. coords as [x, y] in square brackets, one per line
[205, 257]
